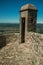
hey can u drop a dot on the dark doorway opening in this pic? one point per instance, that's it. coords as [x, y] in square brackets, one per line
[22, 30]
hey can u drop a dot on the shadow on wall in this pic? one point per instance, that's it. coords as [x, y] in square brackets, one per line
[2, 41]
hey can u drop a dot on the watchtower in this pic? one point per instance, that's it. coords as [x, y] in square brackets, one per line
[28, 17]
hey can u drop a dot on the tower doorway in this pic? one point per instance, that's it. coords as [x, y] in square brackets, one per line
[23, 30]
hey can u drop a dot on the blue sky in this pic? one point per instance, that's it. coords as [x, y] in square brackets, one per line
[9, 10]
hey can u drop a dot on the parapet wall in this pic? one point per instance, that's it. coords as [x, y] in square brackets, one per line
[6, 38]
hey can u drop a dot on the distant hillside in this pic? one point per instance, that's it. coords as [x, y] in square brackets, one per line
[5, 27]
[15, 27]
[40, 28]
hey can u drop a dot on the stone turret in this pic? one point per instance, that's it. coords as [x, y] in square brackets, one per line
[28, 17]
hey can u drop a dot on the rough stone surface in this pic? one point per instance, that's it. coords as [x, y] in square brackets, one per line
[28, 53]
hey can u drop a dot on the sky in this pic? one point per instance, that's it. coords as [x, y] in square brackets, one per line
[9, 10]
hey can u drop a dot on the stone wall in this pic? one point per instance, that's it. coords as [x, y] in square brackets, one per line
[6, 38]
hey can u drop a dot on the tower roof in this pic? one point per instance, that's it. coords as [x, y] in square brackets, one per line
[28, 6]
